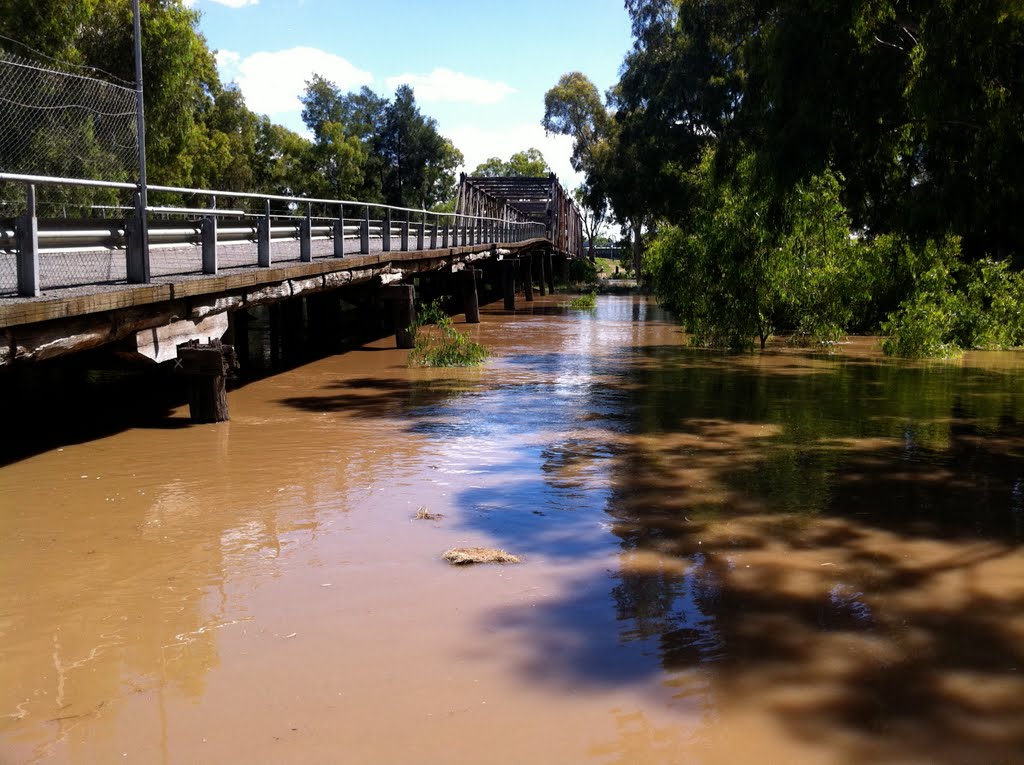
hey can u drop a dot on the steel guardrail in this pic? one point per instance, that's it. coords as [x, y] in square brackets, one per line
[165, 227]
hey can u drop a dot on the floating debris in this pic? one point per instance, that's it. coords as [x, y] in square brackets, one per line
[463, 556]
[423, 514]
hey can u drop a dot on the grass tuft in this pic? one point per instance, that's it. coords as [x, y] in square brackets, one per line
[584, 302]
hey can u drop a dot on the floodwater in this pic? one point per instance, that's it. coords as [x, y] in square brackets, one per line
[784, 557]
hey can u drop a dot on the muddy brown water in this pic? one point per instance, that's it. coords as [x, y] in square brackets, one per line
[784, 557]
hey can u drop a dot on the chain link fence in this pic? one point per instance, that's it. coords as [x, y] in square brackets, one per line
[56, 121]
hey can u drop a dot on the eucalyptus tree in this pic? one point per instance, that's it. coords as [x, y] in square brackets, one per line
[529, 163]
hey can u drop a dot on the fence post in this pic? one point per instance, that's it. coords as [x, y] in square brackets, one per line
[339, 233]
[28, 247]
[306, 237]
[263, 237]
[137, 249]
[420, 228]
[444, 235]
[405, 233]
[433, 236]
[208, 232]
[364, 233]
[385, 231]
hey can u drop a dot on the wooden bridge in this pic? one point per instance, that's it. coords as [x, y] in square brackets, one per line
[164, 276]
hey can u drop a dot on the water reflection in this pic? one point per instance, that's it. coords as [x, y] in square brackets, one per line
[822, 552]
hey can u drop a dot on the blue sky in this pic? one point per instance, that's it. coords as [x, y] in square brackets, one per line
[479, 67]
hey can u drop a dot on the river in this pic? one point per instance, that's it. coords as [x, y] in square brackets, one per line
[779, 557]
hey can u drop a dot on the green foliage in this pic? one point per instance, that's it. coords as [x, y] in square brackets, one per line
[445, 346]
[955, 306]
[573, 107]
[584, 302]
[522, 164]
[200, 132]
[917, 105]
[582, 271]
[748, 266]
[373, 149]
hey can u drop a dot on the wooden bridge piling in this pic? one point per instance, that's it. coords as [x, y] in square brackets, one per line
[205, 368]
[470, 300]
[403, 299]
[508, 282]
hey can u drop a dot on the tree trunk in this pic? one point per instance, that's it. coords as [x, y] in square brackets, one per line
[636, 250]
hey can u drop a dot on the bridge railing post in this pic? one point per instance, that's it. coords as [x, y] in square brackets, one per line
[420, 233]
[339, 233]
[444, 234]
[306, 237]
[208, 233]
[137, 249]
[385, 231]
[263, 237]
[28, 246]
[433, 235]
[364, 232]
[405, 232]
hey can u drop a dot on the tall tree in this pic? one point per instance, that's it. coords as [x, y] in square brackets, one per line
[573, 107]
[523, 164]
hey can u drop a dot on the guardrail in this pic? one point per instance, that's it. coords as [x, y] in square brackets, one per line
[41, 253]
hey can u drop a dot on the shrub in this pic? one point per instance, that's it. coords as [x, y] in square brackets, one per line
[956, 306]
[445, 346]
[582, 271]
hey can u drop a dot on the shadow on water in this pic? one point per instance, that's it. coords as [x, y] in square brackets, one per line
[835, 540]
[842, 543]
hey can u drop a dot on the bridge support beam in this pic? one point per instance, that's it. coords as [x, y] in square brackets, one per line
[403, 300]
[470, 300]
[527, 263]
[508, 283]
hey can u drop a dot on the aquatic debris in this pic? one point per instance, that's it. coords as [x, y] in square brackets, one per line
[423, 514]
[463, 556]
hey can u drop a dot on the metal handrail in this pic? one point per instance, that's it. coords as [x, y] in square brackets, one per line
[137, 236]
[55, 181]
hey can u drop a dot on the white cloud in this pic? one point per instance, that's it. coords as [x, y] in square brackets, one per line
[234, 3]
[272, 81]
[446, 86]
[479, 144]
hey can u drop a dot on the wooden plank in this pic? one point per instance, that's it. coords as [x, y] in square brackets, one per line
[32, 311]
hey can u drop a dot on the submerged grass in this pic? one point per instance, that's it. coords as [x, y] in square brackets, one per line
[444, 346]
[584, 302]
[463, 556]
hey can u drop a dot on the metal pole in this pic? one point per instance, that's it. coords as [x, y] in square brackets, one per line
[140, 123]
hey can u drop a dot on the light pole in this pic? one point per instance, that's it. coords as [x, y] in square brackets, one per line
[138, 267]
